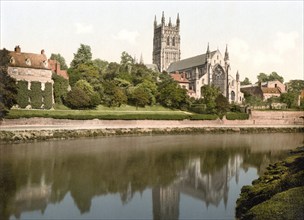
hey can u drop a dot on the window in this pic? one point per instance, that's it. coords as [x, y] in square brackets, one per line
[232, 96]
[12, 60]
[173, 41]
[168, 41]
[28, 61]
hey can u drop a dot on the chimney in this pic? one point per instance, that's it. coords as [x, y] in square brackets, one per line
[18, 49]
[42, 51]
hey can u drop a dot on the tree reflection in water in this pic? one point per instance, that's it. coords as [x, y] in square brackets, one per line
[200, 166]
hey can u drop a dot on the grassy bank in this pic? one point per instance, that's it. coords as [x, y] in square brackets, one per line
[119, 113]
[105, 113]
[278, 194]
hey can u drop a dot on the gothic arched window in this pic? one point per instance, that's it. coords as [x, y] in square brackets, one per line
[168, 41]
[232, 96]
[173, 41]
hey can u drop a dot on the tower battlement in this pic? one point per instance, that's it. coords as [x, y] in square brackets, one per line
[166, 43]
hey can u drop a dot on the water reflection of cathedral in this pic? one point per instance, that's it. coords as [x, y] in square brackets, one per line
[208, 187]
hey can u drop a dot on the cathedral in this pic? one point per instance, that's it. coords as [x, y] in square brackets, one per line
[210, 68]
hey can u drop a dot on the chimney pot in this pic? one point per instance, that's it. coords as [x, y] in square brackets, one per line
[18, 49]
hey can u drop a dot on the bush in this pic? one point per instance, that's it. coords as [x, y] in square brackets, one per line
[77, 99]
[236, 116]
[47, 96]
[203, 117]
[22, 94]
[36, 95]
[198, 108]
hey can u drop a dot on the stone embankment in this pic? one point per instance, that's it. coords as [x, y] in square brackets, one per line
[17, 130]
[278, 194]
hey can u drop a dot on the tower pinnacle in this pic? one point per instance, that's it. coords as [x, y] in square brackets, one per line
[226, 54]
[163, 19]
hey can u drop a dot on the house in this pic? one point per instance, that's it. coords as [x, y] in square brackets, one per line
[54, 65]
[30, 67]
[265, 90]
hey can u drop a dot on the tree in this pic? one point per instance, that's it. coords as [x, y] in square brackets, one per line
[59, 59]
[221, 104]
[140, 97]
[126, 59]
[113, 94]
[8, 88]
[77, 99]
[61, 86]
[83, 55]
[262, 77]
[171, 94]
[295, 86]
[210, 93]
[274, 76]
[245, 82]
[289, 98]
[85, 91]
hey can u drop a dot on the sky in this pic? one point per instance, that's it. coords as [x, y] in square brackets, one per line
[262, 36]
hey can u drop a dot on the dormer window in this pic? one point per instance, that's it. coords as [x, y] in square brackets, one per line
[28, 61]
[12, 60]
[44, 63]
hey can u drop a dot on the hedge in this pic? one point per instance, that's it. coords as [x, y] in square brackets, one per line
[87, 116]
[237, 116]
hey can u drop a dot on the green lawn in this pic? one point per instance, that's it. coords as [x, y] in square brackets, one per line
[101, 112]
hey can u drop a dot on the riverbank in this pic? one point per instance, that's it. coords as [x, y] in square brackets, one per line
[278, 194]
[41, 133]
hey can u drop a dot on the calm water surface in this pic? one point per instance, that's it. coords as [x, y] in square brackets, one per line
[152, 177]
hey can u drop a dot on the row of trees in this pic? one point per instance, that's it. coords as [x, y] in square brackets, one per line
[95, 82]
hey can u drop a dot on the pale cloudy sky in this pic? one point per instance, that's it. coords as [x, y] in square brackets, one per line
[262, 36]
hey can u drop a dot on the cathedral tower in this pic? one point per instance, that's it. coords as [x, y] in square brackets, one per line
[166, 43]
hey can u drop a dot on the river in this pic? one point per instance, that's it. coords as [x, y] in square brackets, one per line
[138, 177]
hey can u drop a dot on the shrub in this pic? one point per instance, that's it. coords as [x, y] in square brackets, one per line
[236, 116]
[47, 95]
[77, 99]
[198, 108]
[203, 117]
[22, 94]
[36, 95]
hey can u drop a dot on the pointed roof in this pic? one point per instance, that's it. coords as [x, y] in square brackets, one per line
[188, 63]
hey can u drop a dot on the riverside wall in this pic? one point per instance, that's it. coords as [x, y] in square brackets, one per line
[32, 129]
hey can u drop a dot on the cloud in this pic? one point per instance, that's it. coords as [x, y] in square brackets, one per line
[285, 41]
[82, 28]
[125, 35]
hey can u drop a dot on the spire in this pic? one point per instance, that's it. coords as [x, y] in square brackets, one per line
[170, 24]
[237, 77]
[207, 52]
[141, 59]
[163, 19]
[177, 20]
[155, 22]
[226, 53]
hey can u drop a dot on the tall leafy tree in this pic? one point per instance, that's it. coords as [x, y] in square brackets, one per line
[83, 55]
[171, 94]
[8, 88]
[61, 86]
[262, 77]
[210, 93]
[59, 59]
[246, 81]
